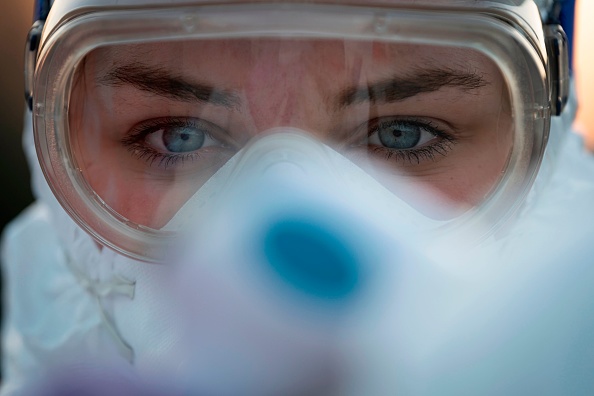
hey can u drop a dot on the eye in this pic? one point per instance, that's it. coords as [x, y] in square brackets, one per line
[400, 134]
[166, 141]
[408, 140]
[179, 137]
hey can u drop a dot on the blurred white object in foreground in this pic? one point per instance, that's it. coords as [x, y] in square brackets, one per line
[281, 286]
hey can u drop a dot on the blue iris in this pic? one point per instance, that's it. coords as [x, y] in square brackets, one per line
[399, 135]
[183, 139]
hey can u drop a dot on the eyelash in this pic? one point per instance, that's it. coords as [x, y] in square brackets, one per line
[134, 141]
[414, 155]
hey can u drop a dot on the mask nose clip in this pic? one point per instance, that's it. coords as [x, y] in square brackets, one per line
[284, 161]
[284, 149]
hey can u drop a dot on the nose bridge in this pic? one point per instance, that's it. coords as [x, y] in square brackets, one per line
[283, 88]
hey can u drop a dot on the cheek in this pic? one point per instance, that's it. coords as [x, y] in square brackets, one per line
[440, 197]
[129, 188]
[446, 195]
[452, 185]
[143, 201]
[475, 173]
[149, 204]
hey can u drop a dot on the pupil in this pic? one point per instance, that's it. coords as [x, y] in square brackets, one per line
[183, 140]
[399, 136]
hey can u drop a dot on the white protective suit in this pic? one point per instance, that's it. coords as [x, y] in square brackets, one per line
[522, 330]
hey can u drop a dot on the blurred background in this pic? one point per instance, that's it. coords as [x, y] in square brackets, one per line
[15, 20]
[15, 194]
[584, 69]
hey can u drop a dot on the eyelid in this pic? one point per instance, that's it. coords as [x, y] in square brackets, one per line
[135, 141]
[426, 123]
[362, 132]
[439, 145]
[146, 127]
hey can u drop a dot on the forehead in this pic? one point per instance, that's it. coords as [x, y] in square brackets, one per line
[222, 56]
[319, 78]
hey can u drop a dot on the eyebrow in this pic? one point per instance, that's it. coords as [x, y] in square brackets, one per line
[161, 82]
[403, 87]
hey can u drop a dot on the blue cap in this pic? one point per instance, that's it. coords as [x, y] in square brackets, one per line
[563, 13]
[42, 8]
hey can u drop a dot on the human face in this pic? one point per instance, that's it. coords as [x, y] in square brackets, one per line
[153, 122]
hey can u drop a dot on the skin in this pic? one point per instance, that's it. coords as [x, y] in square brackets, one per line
[320, 87]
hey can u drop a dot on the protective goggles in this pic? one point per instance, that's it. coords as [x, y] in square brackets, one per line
[136, 108]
